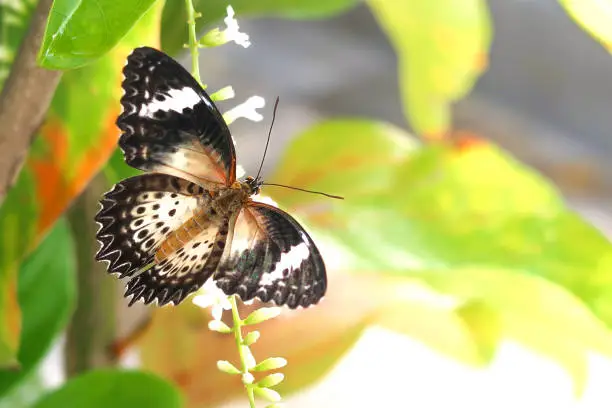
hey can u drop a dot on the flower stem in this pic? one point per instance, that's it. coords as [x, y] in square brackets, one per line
[237, 327]
[193, 42]
[239, 343]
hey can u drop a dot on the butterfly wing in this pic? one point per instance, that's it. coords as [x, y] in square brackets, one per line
[137, 216]
[271, 257]
[170, 124]
[184, 271]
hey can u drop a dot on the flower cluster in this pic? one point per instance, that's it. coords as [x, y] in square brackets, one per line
[211, 296]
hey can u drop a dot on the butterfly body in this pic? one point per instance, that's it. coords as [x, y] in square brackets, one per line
[188, 219]
[216, 208]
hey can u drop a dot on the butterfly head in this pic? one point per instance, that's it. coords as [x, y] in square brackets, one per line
[253, 184]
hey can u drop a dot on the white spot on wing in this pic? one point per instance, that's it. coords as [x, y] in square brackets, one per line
[175, 99]
[289, 260]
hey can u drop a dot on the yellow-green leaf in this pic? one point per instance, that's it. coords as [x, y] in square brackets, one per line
[501, 303]
[449, 208]
[594, 16]
[442, 47]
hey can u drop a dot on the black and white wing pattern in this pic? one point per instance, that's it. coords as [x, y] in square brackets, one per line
[184, 271]
[137, 216]
[187, 221]
[170, 125]
[271, 257]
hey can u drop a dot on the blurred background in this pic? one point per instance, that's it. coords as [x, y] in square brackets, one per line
[545, 98]
[459, 274]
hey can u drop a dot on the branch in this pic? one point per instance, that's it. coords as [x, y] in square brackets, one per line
[24, 100]
[92, 328]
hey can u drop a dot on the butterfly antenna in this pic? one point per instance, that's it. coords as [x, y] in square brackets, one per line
[267, 141]
[304, 190]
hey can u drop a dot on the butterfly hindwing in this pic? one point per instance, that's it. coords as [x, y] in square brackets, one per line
[138, 214]
[170, 125]
[185, 270]
[272, 257]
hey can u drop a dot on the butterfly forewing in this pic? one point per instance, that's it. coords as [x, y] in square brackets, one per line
[272, 258]
[169, 123]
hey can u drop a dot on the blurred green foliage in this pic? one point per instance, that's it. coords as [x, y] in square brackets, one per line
[113, 388]
[459, 218]
[46, 293]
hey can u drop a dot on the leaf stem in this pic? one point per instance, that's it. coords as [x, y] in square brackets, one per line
[237, 329]
[193, 42]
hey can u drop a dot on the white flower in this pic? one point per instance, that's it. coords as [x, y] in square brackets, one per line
[216, 37]
[232, 33]
[211, 295]
[247, 109]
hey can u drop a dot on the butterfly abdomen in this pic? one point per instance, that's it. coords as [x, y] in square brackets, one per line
[199, 222]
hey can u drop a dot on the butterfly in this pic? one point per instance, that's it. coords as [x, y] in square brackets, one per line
[188, 219]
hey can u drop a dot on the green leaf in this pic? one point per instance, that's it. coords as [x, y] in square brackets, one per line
[442, 48]
[261, 315]
[26, 393]
[219, 326]
[448, 208]
[174, 34]
[267, 394]
[483, 323]
[14, 236]
[409, 306]
[271, 363]
[357, 159]
[46, 291]
[106, 388]
[249, 359]
[72, 145]
[594, 16]
[251, 337]
[227, 367]
[16, 233]
[79, 32]
[14, 21]
[116, 168]
[271, 380]
[502, 303]
[477, 206]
